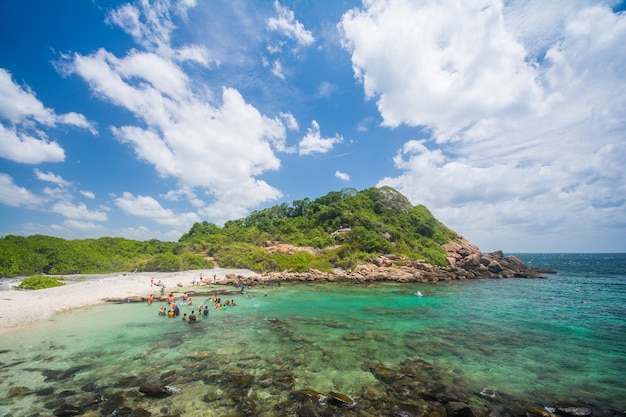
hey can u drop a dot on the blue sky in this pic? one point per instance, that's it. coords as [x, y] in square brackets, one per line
[506, 119]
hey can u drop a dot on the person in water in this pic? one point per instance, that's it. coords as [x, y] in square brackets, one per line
[162, 311]
[206, 311]
[150, 299]
[192, 317]
[185, 317]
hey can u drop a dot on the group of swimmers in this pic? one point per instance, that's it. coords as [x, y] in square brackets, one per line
[203, 309]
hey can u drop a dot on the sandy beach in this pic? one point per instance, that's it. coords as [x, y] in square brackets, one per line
[23, 307]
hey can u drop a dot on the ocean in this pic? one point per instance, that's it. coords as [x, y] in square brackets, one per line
[502, 346]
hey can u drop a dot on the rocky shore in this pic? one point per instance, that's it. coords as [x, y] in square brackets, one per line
[465, 261]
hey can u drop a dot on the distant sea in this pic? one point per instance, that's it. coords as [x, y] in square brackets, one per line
[504, 345]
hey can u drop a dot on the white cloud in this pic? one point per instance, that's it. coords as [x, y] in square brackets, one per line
[151, 26]
[23, 148]
[313, 142]
[277, 70]
[82, 226]
[50, 177]
[527, 145]
[15, 196]
[287, 24]
[22, 141]
[342, 176]
[77, 211]
[290, 121]
[325, 89]
[217, 147]
[18, 104]
[88, 194]
[148, 207]
[451, 63]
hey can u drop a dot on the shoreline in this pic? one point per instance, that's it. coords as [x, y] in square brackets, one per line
[20, 308]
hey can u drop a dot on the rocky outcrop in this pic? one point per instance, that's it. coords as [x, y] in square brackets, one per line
[465, 261]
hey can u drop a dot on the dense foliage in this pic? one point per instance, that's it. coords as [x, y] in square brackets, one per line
[39, 282]
[339, 230]
[40, 254]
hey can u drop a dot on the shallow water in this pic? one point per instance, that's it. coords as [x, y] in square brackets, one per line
[533, 342]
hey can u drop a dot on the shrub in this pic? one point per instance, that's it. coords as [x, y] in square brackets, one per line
[39, 282]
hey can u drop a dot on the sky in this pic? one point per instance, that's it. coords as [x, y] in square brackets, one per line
[506, 119]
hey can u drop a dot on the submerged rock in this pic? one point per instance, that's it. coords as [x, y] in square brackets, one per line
[458, 409]
[573, 411]
[66, 410]
[304, 395]
[153, 390]
[341, 400]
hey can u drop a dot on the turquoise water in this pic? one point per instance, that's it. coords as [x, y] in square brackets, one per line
[532, 342]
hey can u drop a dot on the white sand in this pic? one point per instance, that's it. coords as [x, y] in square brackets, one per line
[23, 307]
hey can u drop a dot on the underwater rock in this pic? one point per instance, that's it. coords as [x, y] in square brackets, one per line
[307, 411]
[67, 410]
[19, 391]
[538, 412]
[341, 400]
[406, 410]
[458, 409]
[384, 373]
[153, 390]
[127, 381]
[304, 395]
[573, 411]
[62, 375]
[444, 395]
[232, 378]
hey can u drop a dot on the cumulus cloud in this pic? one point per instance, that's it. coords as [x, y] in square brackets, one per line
[451, 63]
[22, 140]
[78, 211]
[151, 25]
[26, 149]
[51, 177]
[148, 207]
[313, 142]
[342, 176]
[219, 147]
[527, 121]
[83, 226]
[287, 24]
[16, 196]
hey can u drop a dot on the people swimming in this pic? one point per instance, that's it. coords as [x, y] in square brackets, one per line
[192, 317]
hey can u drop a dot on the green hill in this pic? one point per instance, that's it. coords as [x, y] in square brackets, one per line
[339, 230]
